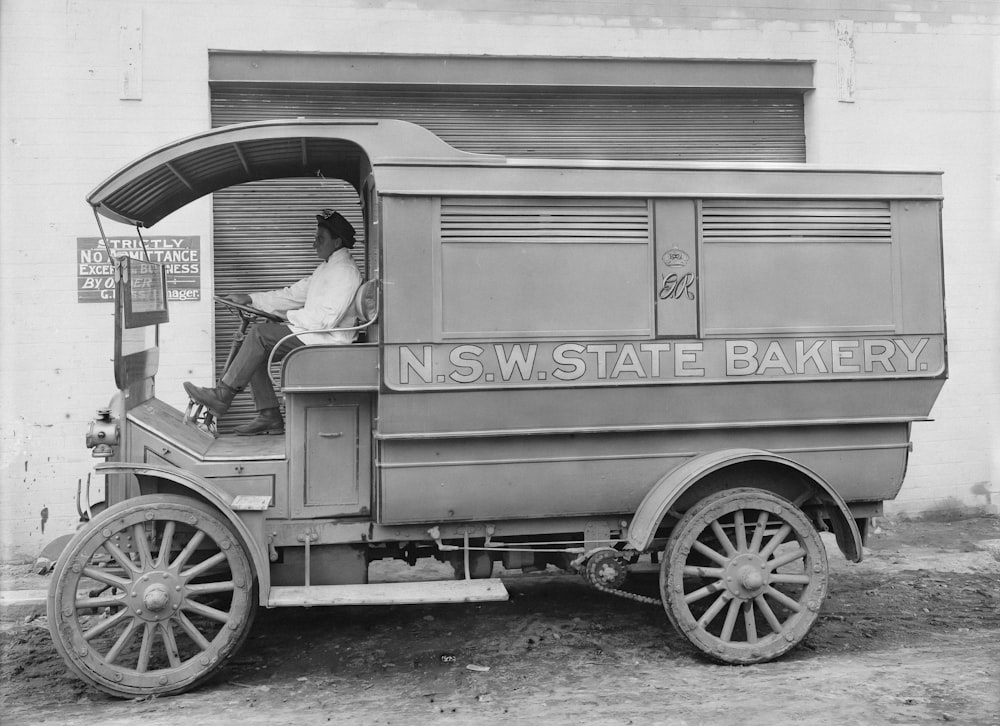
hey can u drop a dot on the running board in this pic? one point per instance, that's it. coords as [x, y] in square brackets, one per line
[389, 593]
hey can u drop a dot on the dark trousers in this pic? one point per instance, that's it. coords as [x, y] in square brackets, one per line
[250, 364]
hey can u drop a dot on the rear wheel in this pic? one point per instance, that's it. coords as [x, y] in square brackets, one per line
[744, 575]
[152, 597]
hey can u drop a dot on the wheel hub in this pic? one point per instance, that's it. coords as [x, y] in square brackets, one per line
[155, 596]
[746, 576]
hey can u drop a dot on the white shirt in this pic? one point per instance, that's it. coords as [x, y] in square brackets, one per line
[325, 299]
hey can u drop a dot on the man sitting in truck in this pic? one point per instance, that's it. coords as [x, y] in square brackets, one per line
[312, 306]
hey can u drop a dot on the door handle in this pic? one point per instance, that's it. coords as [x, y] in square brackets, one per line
[331, 435]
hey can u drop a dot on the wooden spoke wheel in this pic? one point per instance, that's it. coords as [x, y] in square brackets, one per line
[152, 596]
[744, 575]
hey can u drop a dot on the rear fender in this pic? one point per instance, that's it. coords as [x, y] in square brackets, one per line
[662, 497]
[151, 479]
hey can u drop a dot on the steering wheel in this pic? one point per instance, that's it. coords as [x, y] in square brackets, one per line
[246, 312]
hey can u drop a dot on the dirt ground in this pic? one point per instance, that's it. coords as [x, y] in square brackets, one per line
[909, 636]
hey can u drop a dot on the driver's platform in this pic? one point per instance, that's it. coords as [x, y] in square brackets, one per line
[167, 423]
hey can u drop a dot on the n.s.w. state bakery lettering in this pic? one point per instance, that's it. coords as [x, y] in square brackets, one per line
[637, 362]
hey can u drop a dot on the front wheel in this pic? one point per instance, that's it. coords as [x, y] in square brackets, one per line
[152, 596]
[744, 575]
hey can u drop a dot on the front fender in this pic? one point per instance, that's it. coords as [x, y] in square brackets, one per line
[669, 489]
[147, 474]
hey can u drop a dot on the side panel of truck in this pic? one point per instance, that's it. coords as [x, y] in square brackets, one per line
[557, 357]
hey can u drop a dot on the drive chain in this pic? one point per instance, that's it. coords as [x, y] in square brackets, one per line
[628, 595]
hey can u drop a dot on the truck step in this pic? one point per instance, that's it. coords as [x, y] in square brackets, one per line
[389, 593]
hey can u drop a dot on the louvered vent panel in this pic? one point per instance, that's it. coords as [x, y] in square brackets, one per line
[796, 221]
[791, 267]
[530, 268]
[550, 221]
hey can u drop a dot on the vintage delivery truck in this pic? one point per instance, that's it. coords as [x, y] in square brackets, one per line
[597, 365]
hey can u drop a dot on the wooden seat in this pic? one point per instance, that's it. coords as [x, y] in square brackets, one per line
[366, 309]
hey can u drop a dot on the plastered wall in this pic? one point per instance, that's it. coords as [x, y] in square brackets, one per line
[86, 86]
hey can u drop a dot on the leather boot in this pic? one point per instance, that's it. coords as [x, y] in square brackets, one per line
[268, 421]
[216, 399]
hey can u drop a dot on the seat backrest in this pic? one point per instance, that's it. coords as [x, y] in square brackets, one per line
[366, 301]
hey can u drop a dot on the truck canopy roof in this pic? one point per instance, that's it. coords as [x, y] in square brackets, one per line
[164, 180]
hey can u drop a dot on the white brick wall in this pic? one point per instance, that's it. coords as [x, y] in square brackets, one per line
[926, 97]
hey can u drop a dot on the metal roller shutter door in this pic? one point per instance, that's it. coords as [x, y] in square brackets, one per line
[646, 124]
[263, 230]
[263, 234]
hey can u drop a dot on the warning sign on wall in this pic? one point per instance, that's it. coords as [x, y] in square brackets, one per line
[95, 271]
